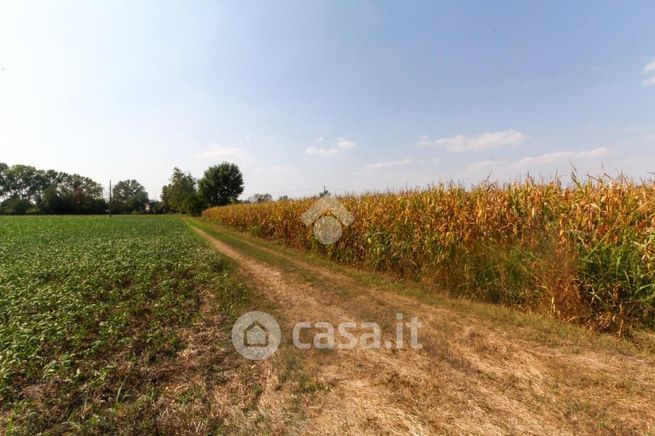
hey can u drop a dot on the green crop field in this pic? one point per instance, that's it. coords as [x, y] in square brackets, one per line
[89, 306]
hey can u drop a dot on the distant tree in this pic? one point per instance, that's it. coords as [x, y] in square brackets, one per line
[260, 198]
[263, 198]
[221, 184]
[129, 196]
[180, 194]
[166, 205]
[53, 203]
[84, 194]
[194, 205]
[284, 198]
[24, 188]
[15, 206]
[23, 182]
[156, 206]
[3, 183]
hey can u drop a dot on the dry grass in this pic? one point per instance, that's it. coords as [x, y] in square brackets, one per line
[473, 376]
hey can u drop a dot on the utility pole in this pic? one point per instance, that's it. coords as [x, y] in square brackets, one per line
[109, 198]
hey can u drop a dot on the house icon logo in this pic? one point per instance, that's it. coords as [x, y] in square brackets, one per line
[328, 218]
[256, 335]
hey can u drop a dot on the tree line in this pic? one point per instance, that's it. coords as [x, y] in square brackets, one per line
[25, 189]
[220, 185]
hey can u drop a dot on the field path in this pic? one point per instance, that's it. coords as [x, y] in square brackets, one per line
[475, 374]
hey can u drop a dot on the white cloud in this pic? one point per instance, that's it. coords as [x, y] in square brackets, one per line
[649, 82]
[385, 165]
[345, 143]
[323, 152]
[650, 68]
[482, 141]
[342, 144]
[220, 152]
[543, 161]
[424, 141]
[562, 156]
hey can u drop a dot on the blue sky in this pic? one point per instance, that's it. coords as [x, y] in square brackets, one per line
[357, 96]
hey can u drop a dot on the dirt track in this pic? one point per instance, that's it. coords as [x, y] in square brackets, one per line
[472, 376]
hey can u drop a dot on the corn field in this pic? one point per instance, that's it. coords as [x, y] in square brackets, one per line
[583, 252]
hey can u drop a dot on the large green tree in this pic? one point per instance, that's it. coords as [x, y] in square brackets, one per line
[71, 193]
[3, 184]
[23, 182]
[180, 194]
[221, 184]
[129, 196]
